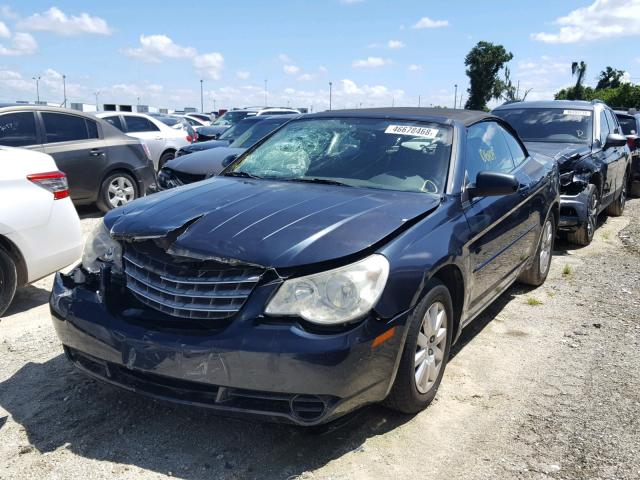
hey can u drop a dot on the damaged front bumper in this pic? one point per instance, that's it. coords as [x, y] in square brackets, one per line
[274, 368]
[574, 198]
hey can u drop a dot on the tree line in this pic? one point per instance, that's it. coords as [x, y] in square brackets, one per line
[486, 61]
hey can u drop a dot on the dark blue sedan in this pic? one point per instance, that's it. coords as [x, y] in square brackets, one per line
[332, 265]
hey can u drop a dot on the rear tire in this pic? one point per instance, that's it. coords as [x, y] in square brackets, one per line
[617, 207]
[119, 188]
[537, 273]
[164, 158]
[414, 389]
[8, 280]
[584, 234]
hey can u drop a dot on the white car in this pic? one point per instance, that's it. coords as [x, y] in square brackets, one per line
[202, 118]
[39, 228]
[162, 140]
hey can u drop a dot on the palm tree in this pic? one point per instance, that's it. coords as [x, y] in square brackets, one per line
[579, 70]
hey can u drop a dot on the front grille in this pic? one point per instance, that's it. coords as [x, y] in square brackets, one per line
[187, 289]
[169, 178]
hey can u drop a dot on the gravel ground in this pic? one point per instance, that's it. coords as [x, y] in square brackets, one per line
[545, 384]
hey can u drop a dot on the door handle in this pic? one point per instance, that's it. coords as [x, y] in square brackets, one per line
[95, 152]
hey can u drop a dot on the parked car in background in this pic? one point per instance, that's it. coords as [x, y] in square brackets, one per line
[202, 117]
[162, 140]
[630, 124]
[586, 140]
[331, 266]
[178, 123]
[205, 142]
[231, 117]
[200, 165]
[102, 164]
[39, 227]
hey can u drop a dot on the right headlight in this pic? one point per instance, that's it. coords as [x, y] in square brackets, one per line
[101, 248]
[335, 296]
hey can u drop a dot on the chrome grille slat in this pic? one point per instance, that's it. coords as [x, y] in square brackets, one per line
[186, 289]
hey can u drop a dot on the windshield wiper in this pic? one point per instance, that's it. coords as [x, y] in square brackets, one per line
[324, 181]
[241, 174]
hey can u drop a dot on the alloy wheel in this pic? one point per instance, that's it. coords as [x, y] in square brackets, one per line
[432, 341]
[592, 221]
[120, 191]
[545, 247]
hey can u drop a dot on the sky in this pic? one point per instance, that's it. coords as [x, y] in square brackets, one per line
[374, 52]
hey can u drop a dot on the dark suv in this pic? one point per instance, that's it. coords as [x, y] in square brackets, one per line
[594, 160]
[102, 164]
[630, 123]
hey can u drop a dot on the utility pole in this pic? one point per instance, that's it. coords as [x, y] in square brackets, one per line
[393, 101]
[518, 90]
[330, 93]
[97, 103]
[419, 99]
[455, 96]
[64, 90]
[37, 79]
[201, 98]
[265, 92]
[214, 105]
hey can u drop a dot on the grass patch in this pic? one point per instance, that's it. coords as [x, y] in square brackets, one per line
[606, 235]
[567, 270]
[533, 302]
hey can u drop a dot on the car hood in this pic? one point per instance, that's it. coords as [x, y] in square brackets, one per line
[268, 223]
[564, 153]
[204, 162]
[199, 146]
[213, 130]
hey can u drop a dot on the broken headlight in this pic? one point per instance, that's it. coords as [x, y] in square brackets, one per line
[100, 248]
[334, 296]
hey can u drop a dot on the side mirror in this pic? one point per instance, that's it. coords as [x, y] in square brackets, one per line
[490, 184]
[229, 160]
[615, 140]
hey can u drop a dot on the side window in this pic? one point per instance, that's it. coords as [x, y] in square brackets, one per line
[115, 121]
[604, 128]
[18, 129]
[140, 124]
[92, 128]
[487, 150]
[614, 126]
[60, 127]
[517, 153]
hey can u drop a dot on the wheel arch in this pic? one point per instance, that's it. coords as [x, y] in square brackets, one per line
[450, 275]
[15, 253]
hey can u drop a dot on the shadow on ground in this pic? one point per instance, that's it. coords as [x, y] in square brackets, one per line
[26, 298]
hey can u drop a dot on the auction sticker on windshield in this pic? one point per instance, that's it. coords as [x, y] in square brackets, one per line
[577, 113]
[414, 131]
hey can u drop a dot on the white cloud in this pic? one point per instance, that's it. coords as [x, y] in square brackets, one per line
[322, 69]
[290, 69]
[153, 48]
[4, 31]
[426, 22]
[284, 58]
[371, 62]
[543, 75]
[350, 2]
[305, 77]
[209, 65]
[242, 75]
[56, 21]
[7, 12]
[414, 68]
[601, 19]
[395, 44]
[21, 44]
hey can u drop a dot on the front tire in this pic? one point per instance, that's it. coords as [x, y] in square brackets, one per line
[425, 353]
[537, 273]
[8, 280]
[584, 234]
[117, 189]
[164, 158]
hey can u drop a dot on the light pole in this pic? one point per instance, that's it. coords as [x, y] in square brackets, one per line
[37, 79]
[201, 98]
[419, 99]
[265, 92]
[64, 90]
[214, 105]
[455, 96]
[330, 93]
[97, 103]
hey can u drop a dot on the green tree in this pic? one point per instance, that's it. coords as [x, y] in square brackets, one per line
[579, 70]
[509, 91]
[483, 63]
[609, 78]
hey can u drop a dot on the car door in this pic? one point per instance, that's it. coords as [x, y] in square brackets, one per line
[143, 129]
[609, 157]
[20, 129]
[501, 226]
[75, 144]
[619, 153]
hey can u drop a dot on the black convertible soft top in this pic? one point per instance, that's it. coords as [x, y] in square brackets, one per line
[440, 115]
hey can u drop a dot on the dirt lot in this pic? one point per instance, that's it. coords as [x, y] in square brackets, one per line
[546, 384]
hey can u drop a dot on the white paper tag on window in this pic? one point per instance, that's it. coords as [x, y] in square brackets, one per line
[577, 113]
[413, 131]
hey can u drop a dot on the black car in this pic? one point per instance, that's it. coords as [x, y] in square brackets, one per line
[331, 266]
[200, 165]
[586, 140]
[102, 164]
[630, 123]
[205, 141]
